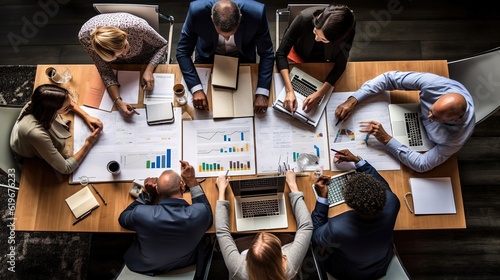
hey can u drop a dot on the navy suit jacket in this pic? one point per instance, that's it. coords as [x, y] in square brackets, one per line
[199, 31]
[357, 248]
[167, 233]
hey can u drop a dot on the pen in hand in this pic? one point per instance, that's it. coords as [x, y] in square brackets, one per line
[339, 152]
[131, 108]
[99, 194]
[366, 139]
[338, 121]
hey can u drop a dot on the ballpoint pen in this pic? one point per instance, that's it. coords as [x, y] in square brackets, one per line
[339, 152]
[99, 194]
[338, 121]
[366, 139]
[85, 215]
[227, 172]
[131, 108]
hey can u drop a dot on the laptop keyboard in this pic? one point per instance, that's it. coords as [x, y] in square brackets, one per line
[302, 87]
[260, 208]
[258, 182]
[335, 189]
[413, 129]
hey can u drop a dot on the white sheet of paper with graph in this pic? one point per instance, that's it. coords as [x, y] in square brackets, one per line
[347, 135]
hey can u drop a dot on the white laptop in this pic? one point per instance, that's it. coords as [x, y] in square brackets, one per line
[259, 203]
[303, 85]
[407, 128]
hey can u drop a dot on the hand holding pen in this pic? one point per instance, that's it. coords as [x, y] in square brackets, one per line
[344, 156]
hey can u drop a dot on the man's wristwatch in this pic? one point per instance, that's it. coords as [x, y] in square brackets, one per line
[147, 198]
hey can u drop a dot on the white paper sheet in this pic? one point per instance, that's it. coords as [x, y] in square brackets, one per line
[215, 146]
[347, 135]
[131, 142]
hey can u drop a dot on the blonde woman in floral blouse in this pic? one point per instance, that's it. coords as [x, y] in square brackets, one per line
[122, 38]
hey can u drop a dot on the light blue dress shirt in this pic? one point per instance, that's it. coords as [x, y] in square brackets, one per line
[447, 137]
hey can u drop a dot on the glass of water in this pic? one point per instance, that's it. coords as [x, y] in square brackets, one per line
[84, 180]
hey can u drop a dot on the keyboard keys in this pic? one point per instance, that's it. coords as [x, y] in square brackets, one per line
[260, 208]
[413, 129]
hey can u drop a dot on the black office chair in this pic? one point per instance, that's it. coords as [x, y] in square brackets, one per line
[198, 271]
[291, 11]
[8, 115]
[395, 271]
[478, 74]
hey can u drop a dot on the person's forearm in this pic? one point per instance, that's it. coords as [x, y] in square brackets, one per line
[80, 155]
[150, 68]
[113, 92]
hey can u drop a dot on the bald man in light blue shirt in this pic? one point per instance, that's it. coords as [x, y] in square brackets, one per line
[447, 110]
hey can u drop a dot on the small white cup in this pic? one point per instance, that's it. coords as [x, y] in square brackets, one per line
[114, 167]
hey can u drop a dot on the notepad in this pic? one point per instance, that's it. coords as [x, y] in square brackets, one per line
[234, 103]
[432, 196]
[225, 72]
[82, 202]
[163, 89]
[160, 113]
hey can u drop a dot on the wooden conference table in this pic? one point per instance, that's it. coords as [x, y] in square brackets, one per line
[41, 200]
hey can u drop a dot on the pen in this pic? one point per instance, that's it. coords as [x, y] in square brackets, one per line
[131, 108]
[366, 139]
[84, 215]
[99, 194]
[339, 152]
[227, 172]
[339, 120]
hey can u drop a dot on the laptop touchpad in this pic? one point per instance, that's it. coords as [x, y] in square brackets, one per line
[262, 223]
[399, 128]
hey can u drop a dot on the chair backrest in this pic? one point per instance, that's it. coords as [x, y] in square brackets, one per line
[200, 270]
[478, 74]
[291, 11]
[149, 13]
[395, 271]
[186, 273]
[8, 115]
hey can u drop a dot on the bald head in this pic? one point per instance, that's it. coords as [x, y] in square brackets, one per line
[449, 107]
[226, 16]
[170, 184]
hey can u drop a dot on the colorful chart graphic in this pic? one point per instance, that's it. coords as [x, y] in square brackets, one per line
[344, 135]
[234, 165]
[161, 161]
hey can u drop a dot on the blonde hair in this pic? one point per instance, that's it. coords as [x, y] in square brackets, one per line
[265, 259]
[107, 40]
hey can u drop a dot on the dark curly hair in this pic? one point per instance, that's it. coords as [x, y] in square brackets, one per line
[365, 195]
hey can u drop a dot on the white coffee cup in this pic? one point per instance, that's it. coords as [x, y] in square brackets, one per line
[114, 167]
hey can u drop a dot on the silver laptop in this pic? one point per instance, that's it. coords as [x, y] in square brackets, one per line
[259, 203]
[407, 128]
[303, 85]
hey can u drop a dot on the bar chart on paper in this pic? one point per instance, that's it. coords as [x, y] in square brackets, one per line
[142, 150]
[220, 145]
[280, 139]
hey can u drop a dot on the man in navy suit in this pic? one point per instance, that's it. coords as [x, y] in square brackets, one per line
[359, 242]
[232, 28]
[169, 232]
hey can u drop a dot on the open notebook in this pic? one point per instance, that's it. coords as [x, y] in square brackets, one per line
[82, 202]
